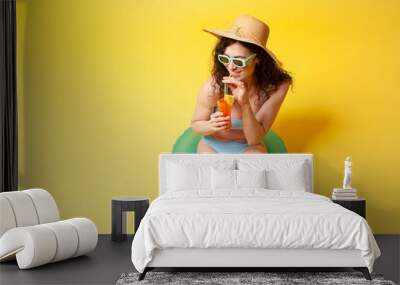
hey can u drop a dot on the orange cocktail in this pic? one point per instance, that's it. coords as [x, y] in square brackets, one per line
[225, 104]
[225, 108]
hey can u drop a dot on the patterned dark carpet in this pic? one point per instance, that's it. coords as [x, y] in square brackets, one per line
[269, 278]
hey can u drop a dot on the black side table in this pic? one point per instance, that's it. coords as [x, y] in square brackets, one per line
[120, 205]
[357, 206]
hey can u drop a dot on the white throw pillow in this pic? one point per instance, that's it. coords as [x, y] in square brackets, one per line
[251, 178]
[281, 174]
[289, 179]
[188, 175]
[181, 177]
[223, 179]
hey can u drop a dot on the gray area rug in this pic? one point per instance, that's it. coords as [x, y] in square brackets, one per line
[270, 278]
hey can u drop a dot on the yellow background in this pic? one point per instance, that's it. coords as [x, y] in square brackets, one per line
[104, 86]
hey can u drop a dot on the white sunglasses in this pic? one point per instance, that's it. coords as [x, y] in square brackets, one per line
[237, 61]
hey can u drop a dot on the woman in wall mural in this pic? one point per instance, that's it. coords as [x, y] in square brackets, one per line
[244, 67]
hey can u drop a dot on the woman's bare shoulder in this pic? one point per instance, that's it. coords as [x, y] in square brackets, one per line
[209, 91]
[210, 87]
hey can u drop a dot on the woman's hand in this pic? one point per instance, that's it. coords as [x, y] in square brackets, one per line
[239, 90]
[220, 127]
[218, 122]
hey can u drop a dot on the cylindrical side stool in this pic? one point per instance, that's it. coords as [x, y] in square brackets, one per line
[122, 204]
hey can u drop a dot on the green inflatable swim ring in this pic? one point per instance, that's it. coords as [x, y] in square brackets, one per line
[188, 141]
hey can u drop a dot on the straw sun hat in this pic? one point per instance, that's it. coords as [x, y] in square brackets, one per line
[247, 29]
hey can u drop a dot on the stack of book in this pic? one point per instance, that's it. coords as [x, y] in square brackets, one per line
[344, 194]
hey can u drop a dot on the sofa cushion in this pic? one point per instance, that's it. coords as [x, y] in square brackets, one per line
[23, 208]
[40, 244]
[45, 205]
[7, 220]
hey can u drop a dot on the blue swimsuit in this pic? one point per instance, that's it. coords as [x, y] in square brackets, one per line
[227, 147]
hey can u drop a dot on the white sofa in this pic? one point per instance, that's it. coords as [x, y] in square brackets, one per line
[31, 230]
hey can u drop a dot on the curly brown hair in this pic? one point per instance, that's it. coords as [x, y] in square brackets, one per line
[267, 74]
